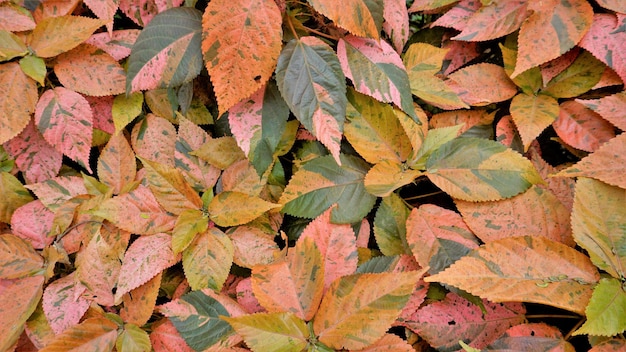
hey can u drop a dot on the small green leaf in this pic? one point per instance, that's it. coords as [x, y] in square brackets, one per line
[605, 311]
[390, 226]
[34, 67]
[435, 138]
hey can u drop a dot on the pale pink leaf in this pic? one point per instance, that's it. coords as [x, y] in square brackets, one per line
[606, 42]
[56, 191]
[104, 10]
[458, 15]
[610, 107]
[154, 138]
[65, 119]
[102, 108]
[35, 157]
[245, 297]
[116, 44]
[15, 18]
[63, 303]
[396, 23]
[32, 222]
[142, 11]
[244, 119]
[144, 259]
[581, 127]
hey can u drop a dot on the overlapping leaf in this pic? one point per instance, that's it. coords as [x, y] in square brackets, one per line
[604, 312]
[532, 114]
[19, 299]
[13, 195]
[154, 138]
[494, 20]
[18, 98]
[280, 331]
[18, 258]
[140, 302]
[396, 23]
[116, 164]
[225, 209]
[387, 176]
[390, 226]
[56, 191]
[579, 77]
[361, 17]
[33, 222]
[605, 40]
[63, 304]
[96, 333]
[609, 107]
[55, 35]
[582, 128]
[482, 84]
[207, 260]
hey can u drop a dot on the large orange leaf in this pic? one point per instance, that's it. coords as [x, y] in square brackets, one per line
[63, 303]
[607, 164]
[389, 342]
[18, 258]
[610, 107]
[553, 28]
[478, 118]
[93, 334]
[18, 300]
[18, 98]
[539, 335]
[361, 17]
[65, 120]
[56, 35]
[532, 114]
[482, 84]
[525, 269]
[516, 216]
[597, 223]
[241, 43]
[344, 317]
[91, 71]
[582, 128]
[207, 260]
[165, 338]
[494, 20]
[605, 41]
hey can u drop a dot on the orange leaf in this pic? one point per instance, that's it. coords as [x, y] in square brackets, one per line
[140, 302]
[56, 35]
[116, 164]
[93, 334]
[18, 258]
[607, 164]
[482, 84]
[610, 107]
[467, 118]
[361, 17]
[525, 269]
[18, 98]
[154, 138]
[142, 11]
[582, 128]
[539, 335]
[516, 216]
[18, 300]
[91, 71]
[241, 43]
[494, 20]
[389, 342]
[553, 28]
[532, 114]
[253, 246]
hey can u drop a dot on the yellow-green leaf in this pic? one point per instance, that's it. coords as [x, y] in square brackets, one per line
[189, 223]
[133, 339]
[55, 35]
[11, 46]
[387, 176]
[34, 67]
[18, 258]
[13, 195]
[532, 114]
[605, 312]
[207, 260]
[577, 78]
[271, 332]
[170, 188]
[125, 109]
[236, 208]
[93, 334]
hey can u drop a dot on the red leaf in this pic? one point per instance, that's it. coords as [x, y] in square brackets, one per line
[33, 222]
[458, 15]
[65, 119]
[506, 132]
[582, 128]
[63, 303]
[606, 42]
[459, 54]
[246, 298]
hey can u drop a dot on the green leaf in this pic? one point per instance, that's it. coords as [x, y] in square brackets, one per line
[435, 138]
[207, 260]
[13, 195]
[475, 169]
[605, 311]
[530, 81]
[34, 67]
[310, 80]
[320, 183]
[390, 226]
[167, 51]
[272, 332]
[579, 77]
[133, 339]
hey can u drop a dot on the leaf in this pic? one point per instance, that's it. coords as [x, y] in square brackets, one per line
[143, 11]
[199, 319]
[13, 195]
[225, 209]
[293, 285]
[19, 299]
[579, 77]
[18, 98]
[321, 183]
[387, 176]
[241, 43]
[125, 109]
[604, 40]
[33, 155]
[423, 61]
[253, 246]
[65, 120]
[95, 334]
[118, 44]
[18, 259]
[11, 46]
[605, 164]
[539, 335]
[531, 80]
[423, 5]
[343, 320]
[56, 191]
[165, 337]
[32, 222]
[552, 29]
[140, 302]
[373, 129]
[582, 128]
[167, 51]
[494, 20]
[16, 18]
[246, 298]
[337, 245]
[479, 170]
[468, 119]
[207, 260]
[376, 70]
[91, 71]
[137, 211]
[220, 152]
[482, 84]
[280, 331]
[491, 221]
[390, 342]
[170, 188]
[133, 339]
[154, 138]
[55, 35]
[525, 269]
[63, 304]
[532, 114]
[310, 80]
[390, 226]
[603, 313]
[242, 177]
[189, 223]
[396, 23]
[116, 164]
[435, 138]
[597, 224]
[443, 324]
[609, 107]
[438, 237]
[361, 17]
[197, 172]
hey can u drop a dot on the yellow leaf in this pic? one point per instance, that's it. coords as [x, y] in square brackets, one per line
[235, 208]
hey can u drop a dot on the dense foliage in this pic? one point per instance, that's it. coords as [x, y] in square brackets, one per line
[282, 175]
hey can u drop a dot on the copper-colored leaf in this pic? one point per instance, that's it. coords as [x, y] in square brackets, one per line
[18, 98]
[605, 41]
[65, 120]
[63, 304]
[607, 163]
[33, 222]
[466, 118]
[56, 35]
[170, 188]
[494, 20]
[525, 269]
[610, 107]
[18, 258]
[207, 260]
[389, 342]
[582, 128]
[482, 84]
[361, 17]
[241, 43]
[457, 16]
[140, 302]
[95, 334]
[18, 300]
[532, 114]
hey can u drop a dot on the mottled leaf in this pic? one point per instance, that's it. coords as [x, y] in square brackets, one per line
[63, 304]
[387, 176]
[579, 77]
[390, 226]
[532, 114]
[200, 174]
[610, 107]
[118, 44]
[207, 260]
[116, 164]
[226, 208]
[18, 98]
[140, 302]
[143, 11]
[526, 269]
[582, 128]
[165, 338]
[482, 84]
[18, 259]
[18, 299]
[56, 191]
[94, 334]
[537, 335]
[189, 223]
[13, 195]
[494, 20]
[133, 339]
[361, 17]
[15, 18]
[55, 35]
[220, 152]
[605, 41]
[154, 138]
[33, 222]
[396, 23]
[272, 332]
[253, 246]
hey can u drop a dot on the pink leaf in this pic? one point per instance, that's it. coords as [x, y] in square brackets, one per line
[606, 42]
[493, 21]
[396, 22]
[154, 138]
[582, 128]
[245, 297]
[65, 119]
[198, 172]
[55, 191]
[102, 108]
[506, 133]
[459, 53]
[142, 11]
[144, 259]
[165, 338]
[33, 222]
[63, 303]
[35, 157]
[116, 44]
[561, 187]
[552, 68]
[458, 15]
[245, 119]
[104, 10]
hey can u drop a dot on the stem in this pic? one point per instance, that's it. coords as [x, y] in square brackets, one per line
[424, 195]
[569, 334]
[293, 29]
[60, 236]
[559, 316]
[321, 34]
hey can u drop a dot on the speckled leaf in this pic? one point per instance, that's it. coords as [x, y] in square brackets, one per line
[468, 119]
[133, 339]
[104, 10]
[93, 334]
[320, 183]
[13, 195]
[361, 17]
[494, 20]
[140, 302]
[241, 43]
[491, 221]
[18, 258]
[167, 51]
[610, 107]
[605, 41]
[144, 259]
[117, 44]
[116, 164]
[553, 28]
[422, 5]
[165, 338]
[207, 260]
[200, 174]
[579, 77]
[605, 310]
[539, 335]
[56, 191]
[226, 208]
[56, 35]
[143, 11]
[63, 304]
[154, 138]
[272, 332]
[482, 84]
[390, 226]
[396, 23]
[525, 269]
[387, 176]
[582, 128]
[18, 299]
[480, 170]
[253, 246]
[532, 114]
[310, 80]
[343, 317]
[65, 120]
[189, 223]
[220, 152]
[32, 222]
[607, 164]
[377, 70]
[390, 342]
[18, 98]
[15, 18]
